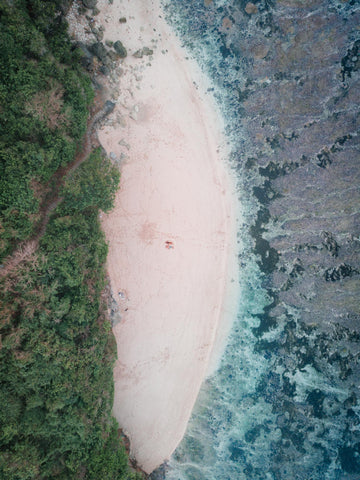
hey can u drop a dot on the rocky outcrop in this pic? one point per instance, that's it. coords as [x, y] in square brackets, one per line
[107, 58]
[97, 56]
[99, 50]
[338, 273]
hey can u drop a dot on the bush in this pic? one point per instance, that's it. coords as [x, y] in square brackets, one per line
[92, 185]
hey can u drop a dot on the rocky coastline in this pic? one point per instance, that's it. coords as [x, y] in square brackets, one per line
[294, 71]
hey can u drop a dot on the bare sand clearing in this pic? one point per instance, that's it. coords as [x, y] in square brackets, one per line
[174, 188]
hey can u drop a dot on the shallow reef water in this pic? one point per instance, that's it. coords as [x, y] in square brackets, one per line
[284, 403]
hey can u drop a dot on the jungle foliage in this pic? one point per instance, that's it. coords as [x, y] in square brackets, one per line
[44, 99]
[56, 346]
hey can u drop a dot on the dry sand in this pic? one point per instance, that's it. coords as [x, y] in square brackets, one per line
[174, 188]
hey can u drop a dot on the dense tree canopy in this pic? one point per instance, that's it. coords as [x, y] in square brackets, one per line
[56, 346]
[44, 99]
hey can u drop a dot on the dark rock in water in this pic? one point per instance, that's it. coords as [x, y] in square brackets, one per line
[351, 62]
[297, 269]
[324, 158]
[350, 458]
[330, 243]
[251, 8]
[194, 473]
[159, 473]
[340, 272]
[89, 3]
[99, 50]
[236, 450]
[250, 436]
[143, 51]
[120, 49]
[268, 255]
[316, 398]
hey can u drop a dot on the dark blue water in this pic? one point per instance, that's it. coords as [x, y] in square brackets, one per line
[271, 411]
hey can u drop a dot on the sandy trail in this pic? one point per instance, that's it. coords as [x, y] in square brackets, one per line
[174, 188]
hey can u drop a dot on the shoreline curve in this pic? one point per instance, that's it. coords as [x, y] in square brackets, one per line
[172, 241]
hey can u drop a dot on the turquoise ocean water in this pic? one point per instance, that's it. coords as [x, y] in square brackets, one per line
[243, 427]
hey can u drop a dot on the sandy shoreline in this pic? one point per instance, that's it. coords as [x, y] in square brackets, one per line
[171, 234]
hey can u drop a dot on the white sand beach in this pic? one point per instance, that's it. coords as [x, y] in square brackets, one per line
[171, 234]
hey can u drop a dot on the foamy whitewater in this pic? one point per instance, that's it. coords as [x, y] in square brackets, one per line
[228, 404]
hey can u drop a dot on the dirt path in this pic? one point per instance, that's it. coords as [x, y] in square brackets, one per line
[98, 112]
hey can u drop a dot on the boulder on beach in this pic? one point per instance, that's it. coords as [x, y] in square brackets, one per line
[98, 32]
[108, 107]
[143, 51]
[105, 70]
[120, 49]
[87, 57]
[113, 56]
[99, 50]
[89, 3]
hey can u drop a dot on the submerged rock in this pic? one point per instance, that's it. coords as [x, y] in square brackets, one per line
[159, 473]
[330, 243]
[340, 272]
[251, 8]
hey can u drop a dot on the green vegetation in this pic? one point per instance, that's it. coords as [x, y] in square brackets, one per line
[44, 99]
[56, 346]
